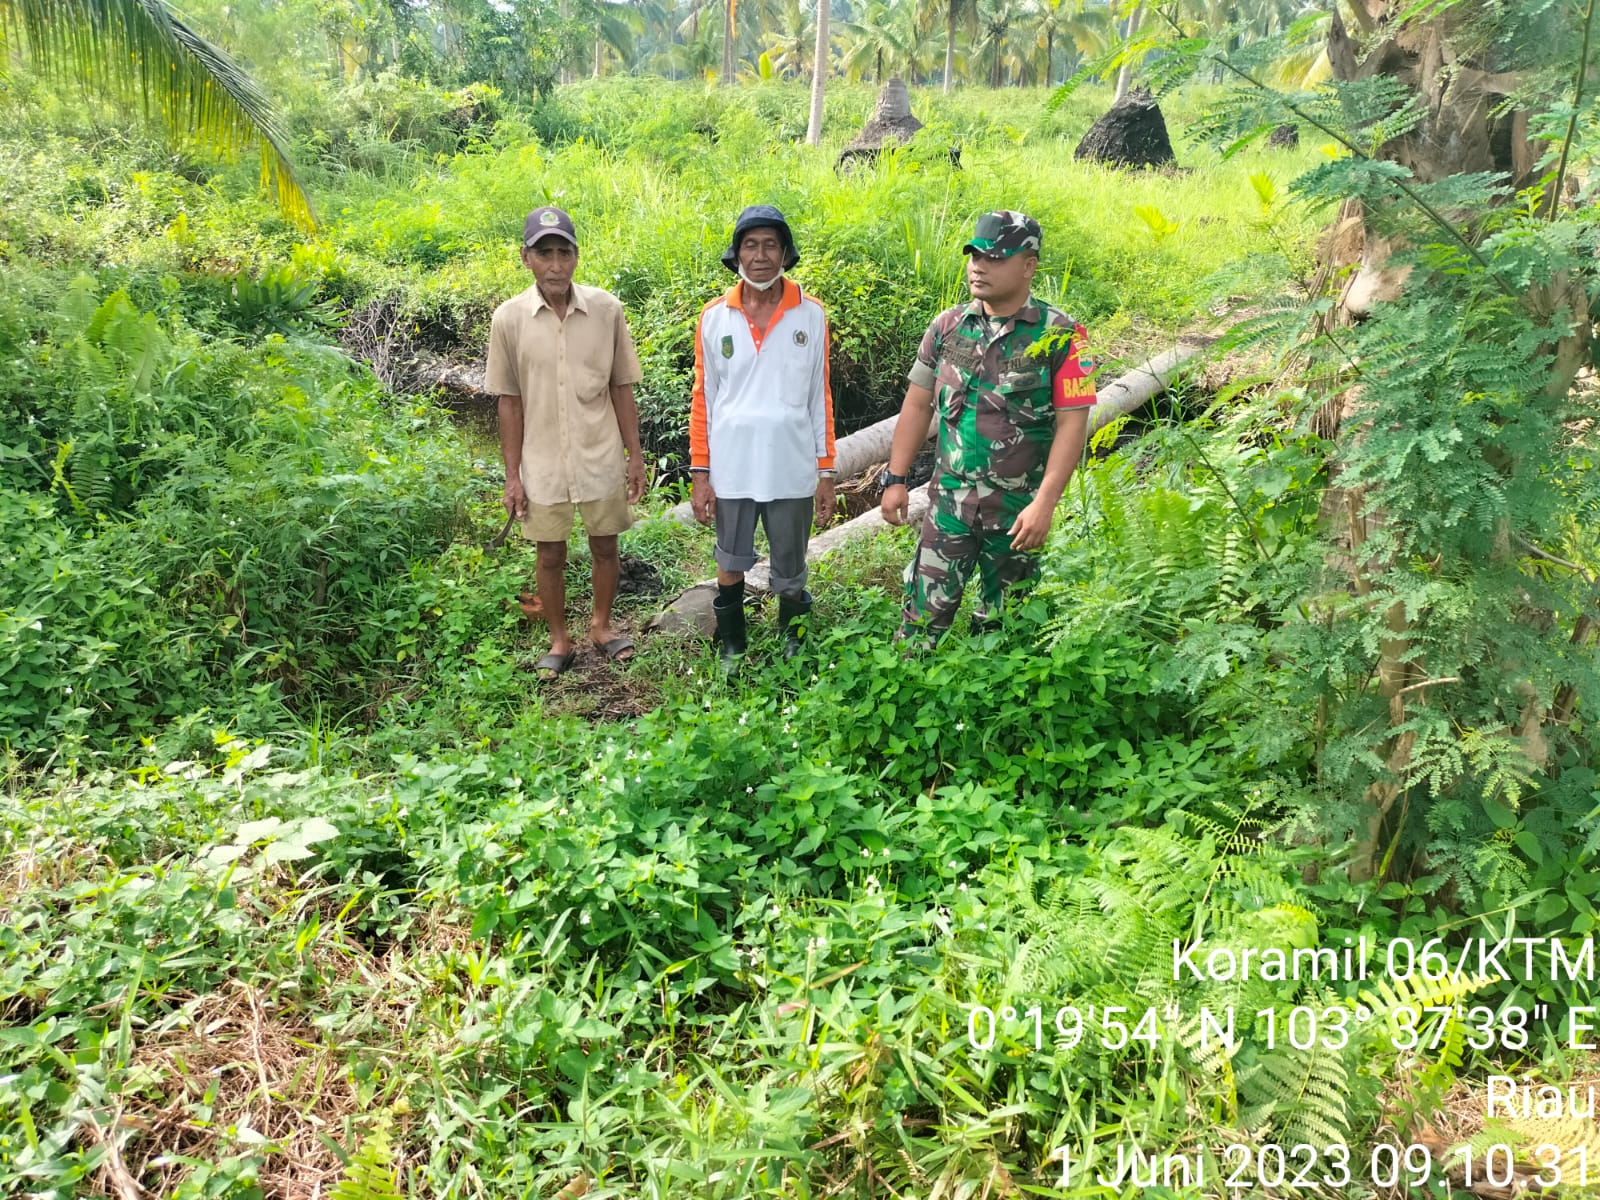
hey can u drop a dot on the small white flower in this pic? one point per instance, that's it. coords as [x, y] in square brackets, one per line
[583, 917]
[961, 726]
[866, 853]
[954, 866]
[961, 887]
[749, 789]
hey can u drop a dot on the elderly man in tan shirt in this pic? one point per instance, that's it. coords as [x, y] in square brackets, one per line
[563, 364]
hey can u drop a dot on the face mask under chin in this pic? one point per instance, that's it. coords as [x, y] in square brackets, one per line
[762, 287]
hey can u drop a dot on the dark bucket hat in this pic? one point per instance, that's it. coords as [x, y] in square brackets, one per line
[1004, 233]
[761, 216]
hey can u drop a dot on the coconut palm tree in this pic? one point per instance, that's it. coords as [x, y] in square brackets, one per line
[820, 63]
[138, 50]
[891, 37]
[872, 40]
[703, 12]
[992, 49]
[957, 12]
[618, 24]
[790, 46]
[697, 56]
[1125, 72]
[1066, 21]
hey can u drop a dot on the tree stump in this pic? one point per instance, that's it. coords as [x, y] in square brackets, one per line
[891, 124]
[1132, 134]
[1285, 137]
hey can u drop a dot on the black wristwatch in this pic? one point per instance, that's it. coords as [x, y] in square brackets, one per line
[888, 479]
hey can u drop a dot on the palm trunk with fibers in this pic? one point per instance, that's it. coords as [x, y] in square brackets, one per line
[1125, 72]
[1463, 129]
[137, 49]
[1049, 54]
[949, 44]
[819, 76]
[727, 42]
[599, 51]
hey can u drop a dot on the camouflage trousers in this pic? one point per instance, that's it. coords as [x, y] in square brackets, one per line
[937, 574]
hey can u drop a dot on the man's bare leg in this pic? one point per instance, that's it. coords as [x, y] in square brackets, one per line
[551, 575]
[606, 574]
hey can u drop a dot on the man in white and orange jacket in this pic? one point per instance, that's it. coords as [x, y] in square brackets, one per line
[761, 425]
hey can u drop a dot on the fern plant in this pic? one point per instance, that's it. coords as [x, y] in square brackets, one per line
[1291, 1060]
[1443, 632]
[371, 1173]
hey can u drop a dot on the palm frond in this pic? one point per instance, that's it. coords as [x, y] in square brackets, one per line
[140, 49]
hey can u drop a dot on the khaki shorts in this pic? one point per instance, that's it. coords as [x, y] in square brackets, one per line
[601, 518]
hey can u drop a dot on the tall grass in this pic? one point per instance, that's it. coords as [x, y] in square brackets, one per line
[654, 174]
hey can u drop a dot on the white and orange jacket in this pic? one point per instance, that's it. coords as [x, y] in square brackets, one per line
[762, 416]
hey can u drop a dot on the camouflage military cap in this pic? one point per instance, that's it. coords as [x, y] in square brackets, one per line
[1004, 233]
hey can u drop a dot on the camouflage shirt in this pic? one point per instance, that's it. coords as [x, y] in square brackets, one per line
[997, 406]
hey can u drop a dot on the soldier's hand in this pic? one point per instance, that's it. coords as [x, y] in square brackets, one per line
[1032, 526]
[516, 500]
[827, 502]
[702, 499]
[896, 504]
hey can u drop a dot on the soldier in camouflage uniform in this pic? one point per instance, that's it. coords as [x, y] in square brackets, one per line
[1012, 425]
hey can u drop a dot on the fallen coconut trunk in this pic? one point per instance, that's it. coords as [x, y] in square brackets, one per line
[852, 454]
[691, 611]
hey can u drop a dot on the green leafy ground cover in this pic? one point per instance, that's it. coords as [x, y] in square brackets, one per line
[301, 871]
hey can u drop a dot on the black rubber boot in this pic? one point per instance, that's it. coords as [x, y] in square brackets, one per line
[790, 610]
[983, 625]
[729, 610]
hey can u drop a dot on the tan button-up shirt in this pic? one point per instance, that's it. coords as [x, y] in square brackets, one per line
[564, 371]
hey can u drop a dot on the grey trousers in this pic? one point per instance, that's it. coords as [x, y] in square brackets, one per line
[788, 525]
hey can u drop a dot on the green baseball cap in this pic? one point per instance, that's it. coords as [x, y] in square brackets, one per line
[1004, 233]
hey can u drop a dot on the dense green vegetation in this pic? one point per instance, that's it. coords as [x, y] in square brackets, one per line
[303, 879]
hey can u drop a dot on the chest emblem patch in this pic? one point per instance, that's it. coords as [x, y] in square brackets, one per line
[727, 346]
[799, 337]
